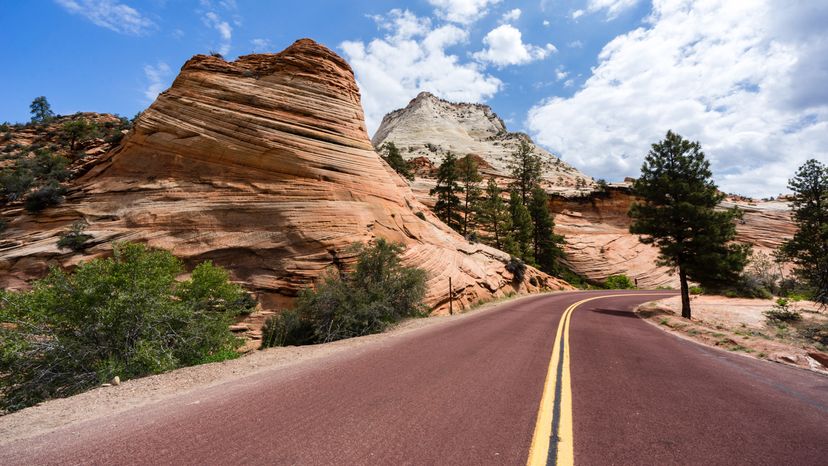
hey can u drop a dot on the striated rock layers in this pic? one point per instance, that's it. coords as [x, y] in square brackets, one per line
[262, 165]
[599, 244]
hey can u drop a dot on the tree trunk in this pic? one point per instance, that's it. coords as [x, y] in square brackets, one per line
[685, 294]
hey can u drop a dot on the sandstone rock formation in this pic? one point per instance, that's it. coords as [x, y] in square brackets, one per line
[262, 165]
[429, 127]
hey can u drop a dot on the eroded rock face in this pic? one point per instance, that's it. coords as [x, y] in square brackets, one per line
[429, 127]
[262, 165]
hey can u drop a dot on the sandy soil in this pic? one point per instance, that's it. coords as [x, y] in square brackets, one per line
[108, 400]
[737, 324]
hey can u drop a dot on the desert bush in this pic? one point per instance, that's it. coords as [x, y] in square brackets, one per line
[782, 312]
[377, 293]
[420, 215]
[696, 290]
[517, 268]
[818, 333]
[125, 315]
[75, 239]
[46, 196]
[619, 282]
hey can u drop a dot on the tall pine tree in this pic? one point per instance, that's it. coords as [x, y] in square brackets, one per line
[391, 154]
[809, 246]
[677, 212]
[522, 227]
[525, 168]
[547, 244]
[448, 207]
[494, 218]
[469, 178]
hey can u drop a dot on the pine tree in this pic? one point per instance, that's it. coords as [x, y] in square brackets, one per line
[676, 212]
[547, 244]
[469, 178]
[447, 208]
[809, 246]
[494, 217]
[391, 154]
[526, 170]
[41, 110]
[522, 227]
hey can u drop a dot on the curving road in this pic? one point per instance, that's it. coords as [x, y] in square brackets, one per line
[598, 386]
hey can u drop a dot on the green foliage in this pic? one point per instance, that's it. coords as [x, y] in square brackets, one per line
[79, 131]
[41, 110]
[45, 196]
[75, 239]
[522, 228]
[377, 293]
[517, 268]
[546, 244]
[420, 215]
[469, 177]
[448, 208]
[44, 172]
[391, 154]
[602, 185]
[818, 333]
[782, 312]
[125, 315]
[495, 219]
[809, 247]
[677, 213]
[525, 168]
[619, 282]
[696, 290]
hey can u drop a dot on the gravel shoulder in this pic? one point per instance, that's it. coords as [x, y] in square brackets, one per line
[738, 325]
[111, 400]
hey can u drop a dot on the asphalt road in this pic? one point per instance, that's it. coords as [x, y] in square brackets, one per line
[475, 391]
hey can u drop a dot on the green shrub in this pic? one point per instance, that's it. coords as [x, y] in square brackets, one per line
[619, 282]
[817, 333]
[75, 239]
[420, 215]
[125, 315]
[15, 183]
[46, 196]
[782, 312]
[517, 268]
[696, 290]
[377, 293]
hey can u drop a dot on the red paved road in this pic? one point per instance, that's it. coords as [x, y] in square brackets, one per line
[467, 392]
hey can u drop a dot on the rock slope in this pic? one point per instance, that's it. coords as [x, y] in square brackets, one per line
[264, 166]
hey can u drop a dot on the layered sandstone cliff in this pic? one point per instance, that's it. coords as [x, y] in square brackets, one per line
[262, 165]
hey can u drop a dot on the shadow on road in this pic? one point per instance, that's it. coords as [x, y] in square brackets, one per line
[614, 312]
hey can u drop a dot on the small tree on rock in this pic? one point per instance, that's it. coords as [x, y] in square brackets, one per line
[78, 131]
[546, 244]
[495, 218]
[41, 110]
[677, 213]
[469, 178]
[526, 170]
[447, 208]
[391, 154]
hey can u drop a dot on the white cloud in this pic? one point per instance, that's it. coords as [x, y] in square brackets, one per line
[561, 73]
[261, 45]
[213, 20]
[612, 7]
[462, 11]
[577, 14]
[504, 46]
[576, 44]
[746, 79]
[158, 78]
[510, 16]
[410, 58]
[110, 14]
[546, 23]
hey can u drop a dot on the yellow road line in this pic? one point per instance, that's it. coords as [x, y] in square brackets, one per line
[553, 428]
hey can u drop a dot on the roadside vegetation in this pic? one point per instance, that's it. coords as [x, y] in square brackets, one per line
[126, 316]
[378, 292]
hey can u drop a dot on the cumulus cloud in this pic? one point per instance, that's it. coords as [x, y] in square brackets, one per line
[577, 14]
[261, 45]
[411, 57]
[462, 11]
[746, 79]
[510, 16]
[504, 46]
[158, 77]
[110, 14]
[213, 20]
[613, 8]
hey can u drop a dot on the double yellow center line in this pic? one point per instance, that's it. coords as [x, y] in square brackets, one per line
[552, 441]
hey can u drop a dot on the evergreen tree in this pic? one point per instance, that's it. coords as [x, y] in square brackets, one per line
[494, 217]
[547, 244]
[676, 212]
[809, 246]
[526, 170]
[41, 110]
[469, 178]
[79, 130]
[448, 205]
[522, 227]
[391, 154]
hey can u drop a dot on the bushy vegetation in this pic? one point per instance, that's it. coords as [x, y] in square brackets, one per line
[43, 172]
[782, 312]
[124, 316]
[619, 282]
[378, 292]
[75, 239]
[517, 268]
[391, 154]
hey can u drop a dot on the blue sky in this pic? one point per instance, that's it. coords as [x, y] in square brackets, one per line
[595, 81]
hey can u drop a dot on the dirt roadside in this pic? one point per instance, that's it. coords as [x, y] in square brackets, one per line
[130, 394]
[739, 325]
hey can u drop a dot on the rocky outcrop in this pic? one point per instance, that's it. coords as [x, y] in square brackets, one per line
[262, 165]
[429, 127]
